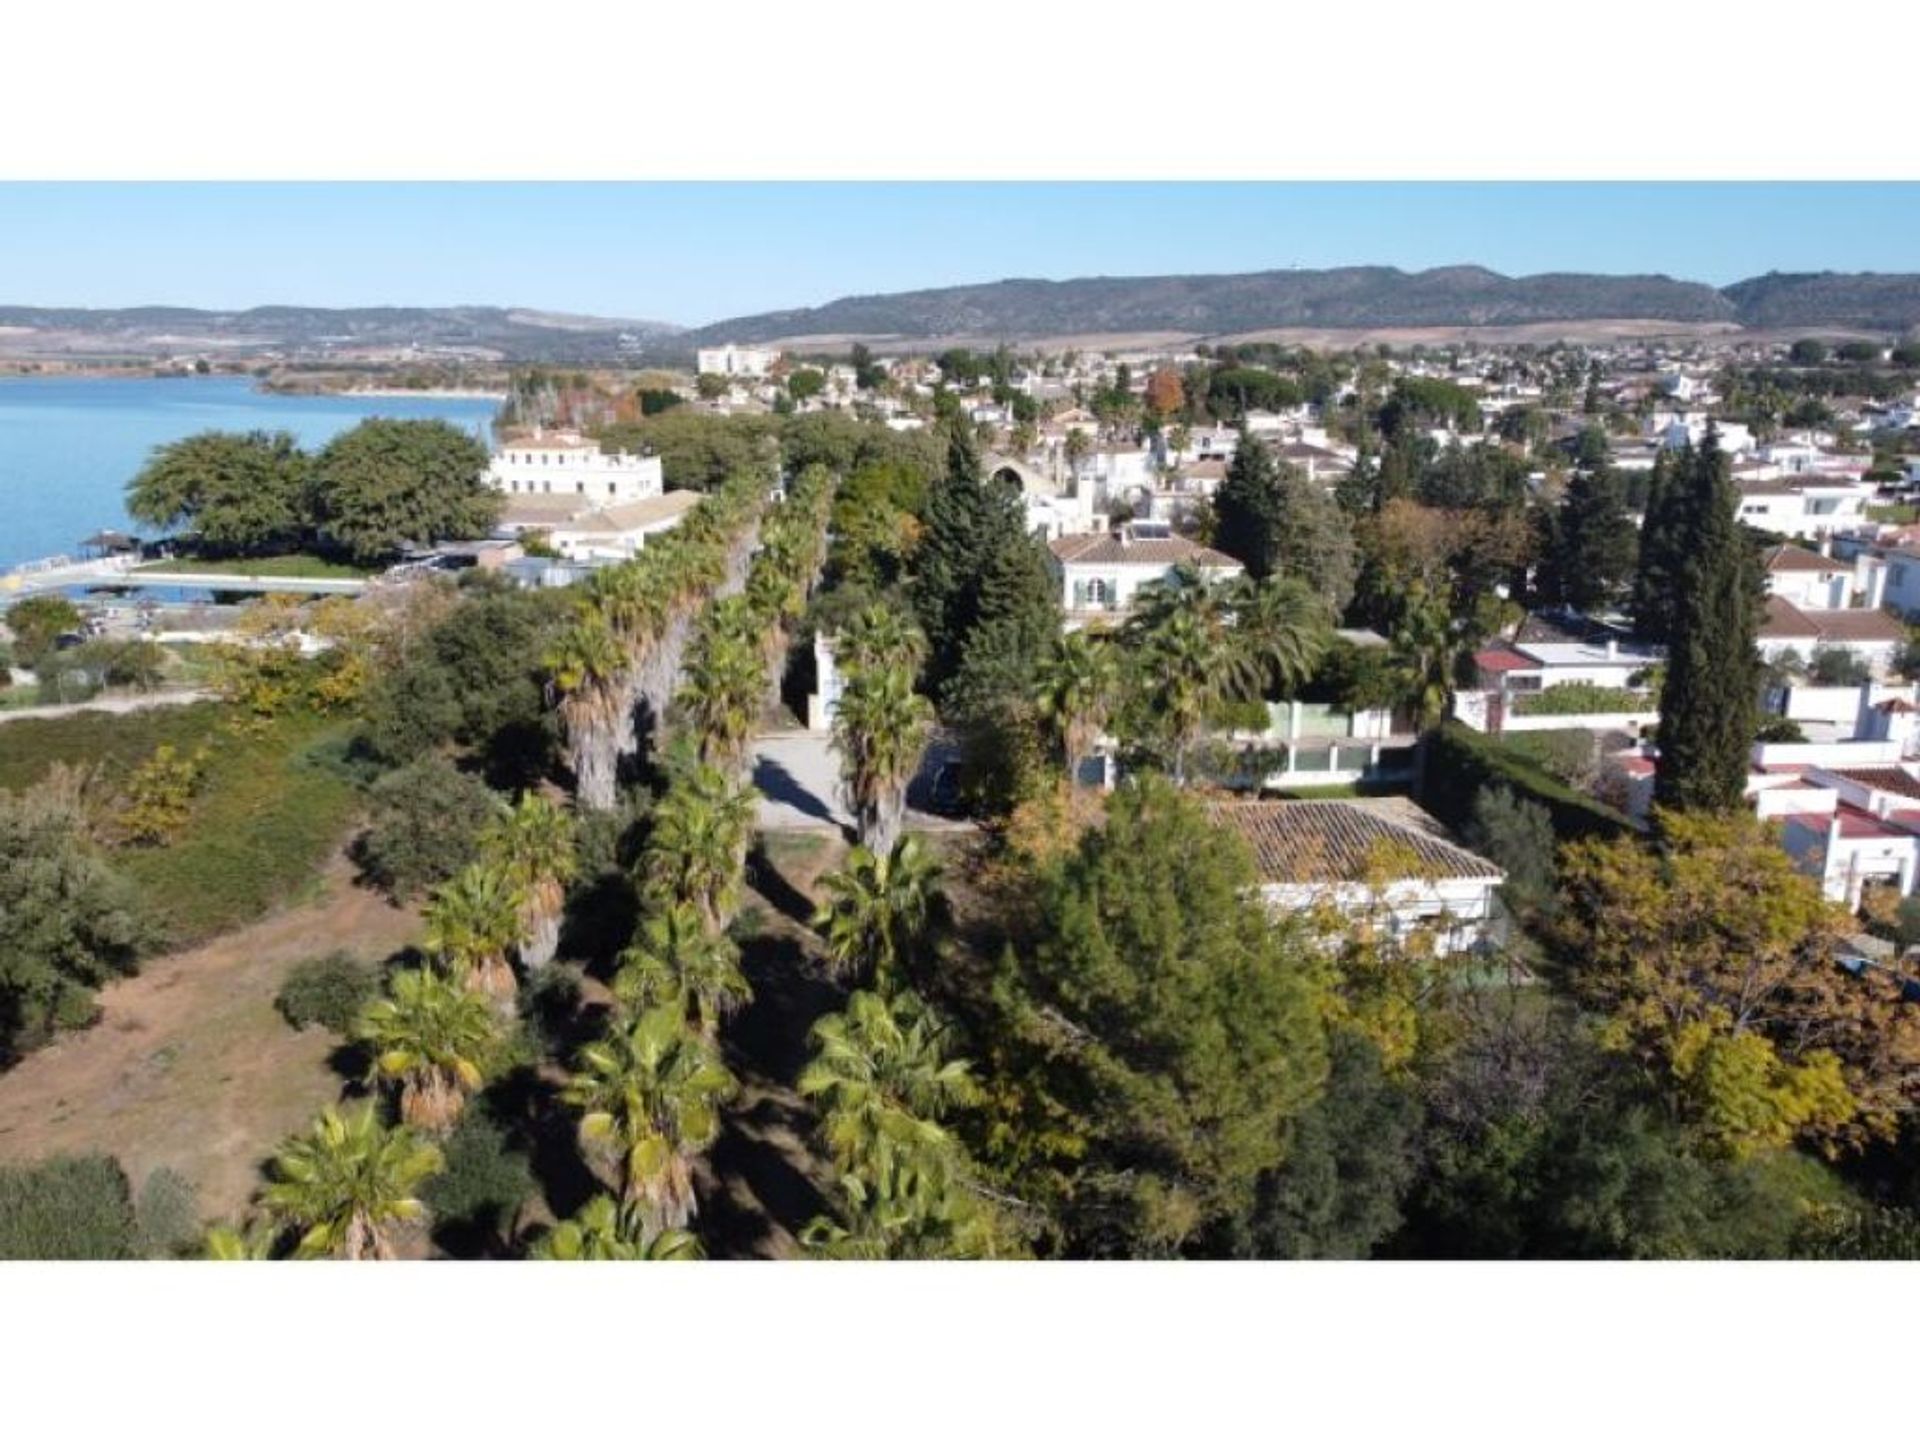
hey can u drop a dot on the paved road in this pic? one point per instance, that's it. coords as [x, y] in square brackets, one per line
[799, 778]
[111, 704]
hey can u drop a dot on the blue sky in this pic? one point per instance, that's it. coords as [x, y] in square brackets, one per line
[693, 253]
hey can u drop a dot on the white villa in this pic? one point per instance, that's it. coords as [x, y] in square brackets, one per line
[1383, 862]
[563, 462]
[747, 362]
[1100, 575]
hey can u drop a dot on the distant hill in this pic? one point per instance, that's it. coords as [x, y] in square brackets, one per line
[313, 333]
[1353, 298]
[1356, 297]
[1856, 302]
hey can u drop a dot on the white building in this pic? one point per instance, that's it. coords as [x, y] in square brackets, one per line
[1805, 507]
[749, 362]
[560, 462]
[1813, 581]
[1359, 860]
[587, 532]
[1101, 575]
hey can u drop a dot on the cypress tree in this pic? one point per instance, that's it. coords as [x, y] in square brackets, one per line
[1662, 549]
[1707, 706]
[1246, 507]
[946, 590]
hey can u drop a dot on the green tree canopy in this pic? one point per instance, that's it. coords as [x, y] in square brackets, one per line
[237, 493]
[1158, 1012]
[386, 484]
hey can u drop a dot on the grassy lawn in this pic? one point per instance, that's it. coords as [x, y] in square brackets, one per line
[116, 743]
[284, 567]
[1893, 514]
[267, 819]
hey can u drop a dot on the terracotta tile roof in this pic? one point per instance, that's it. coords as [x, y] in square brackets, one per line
[1797, 557]
[1495, 661]
[1329, 841]
[1786, 621]
[579, 512]
[1890, 779]
[1856, 625]
[1111, 550]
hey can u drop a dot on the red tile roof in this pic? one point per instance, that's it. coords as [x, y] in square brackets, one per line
[1499, 660]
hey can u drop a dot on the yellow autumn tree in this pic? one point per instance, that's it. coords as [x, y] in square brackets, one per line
[1715, 963]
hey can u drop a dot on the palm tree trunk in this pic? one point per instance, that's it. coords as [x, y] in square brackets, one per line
[595, 761]
[541, 937]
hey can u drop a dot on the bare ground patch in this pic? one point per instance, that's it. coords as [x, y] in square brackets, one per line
[189, 1065]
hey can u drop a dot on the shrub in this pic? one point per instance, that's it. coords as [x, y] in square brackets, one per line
[1835, 665]
[73, 1207]
[476, 1197]
[1517, 835]
[1584, 698]
[1779, 730]
[427, 819]
[168, 1215]
[330, 992]
[159, 799]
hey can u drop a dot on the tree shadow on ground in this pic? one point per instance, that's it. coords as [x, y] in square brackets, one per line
[764, 1191]
[528, 1105]
[768, 1038]
[780, 785]
[773, 887]
[599, 920]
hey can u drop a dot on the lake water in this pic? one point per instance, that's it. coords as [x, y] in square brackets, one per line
[69, 446]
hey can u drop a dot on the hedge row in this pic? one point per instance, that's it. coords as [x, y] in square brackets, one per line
[1460, 763]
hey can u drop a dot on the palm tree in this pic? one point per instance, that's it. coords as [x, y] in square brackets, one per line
[725, 680]
[651, 1092]
[534, 845]
[471, 923]
[880, 728]
[1074, 694]
[436, 1040]
[347, 1183]
[881, 1072]
[602, 1230]
[1283, 627]
[230, 1242]
[589, 677]
[1424, 653]
[876, 908]
[676, 959]
[880, 637]
[1187, 656]
[628, 598]
[697, 850]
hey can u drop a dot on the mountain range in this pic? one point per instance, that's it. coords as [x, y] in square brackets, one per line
[1356, 298]
[1352, 298]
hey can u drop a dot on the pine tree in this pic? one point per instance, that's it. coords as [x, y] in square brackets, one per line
[1707, 705]
[1595, 545]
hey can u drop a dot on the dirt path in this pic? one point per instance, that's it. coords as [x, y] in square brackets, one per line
[190, 1066]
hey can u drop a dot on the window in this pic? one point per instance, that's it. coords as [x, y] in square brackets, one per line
[1099, 593]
